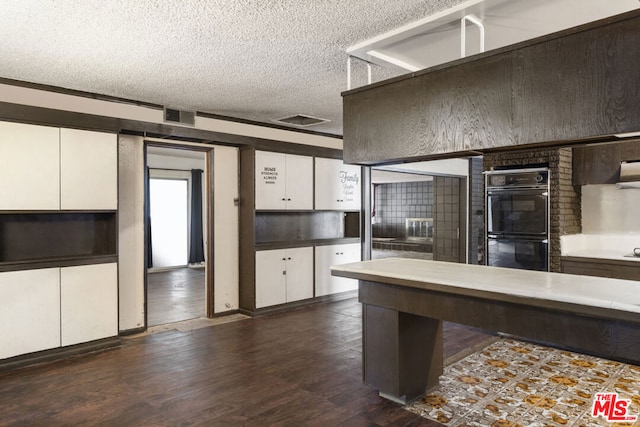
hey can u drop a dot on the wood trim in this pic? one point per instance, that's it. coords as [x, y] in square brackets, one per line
[69, 119]
[210, 249]
[55, 354]
[246, 230]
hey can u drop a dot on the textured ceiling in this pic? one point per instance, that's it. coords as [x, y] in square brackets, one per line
[250, 59]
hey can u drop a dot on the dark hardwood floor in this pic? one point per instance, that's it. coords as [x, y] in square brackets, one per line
[175, 295]
[292, 369]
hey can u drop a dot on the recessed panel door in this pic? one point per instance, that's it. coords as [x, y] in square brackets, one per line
[271, 277]
[299, 274]
[299, 182]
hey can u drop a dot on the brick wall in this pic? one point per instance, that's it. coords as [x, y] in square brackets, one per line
[565, 199]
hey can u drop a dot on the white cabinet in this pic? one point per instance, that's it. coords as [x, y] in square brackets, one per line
[283, 181]
[29, 311]
[283, 275]
[326, 256]
[337, 185]
[89, 302]
[52, 307]
[47, 168]
[29, 167]
[88, 170]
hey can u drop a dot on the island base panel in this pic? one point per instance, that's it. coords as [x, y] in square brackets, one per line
[403, 353]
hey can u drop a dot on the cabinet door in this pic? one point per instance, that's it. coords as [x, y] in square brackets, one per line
[299, 182]
[29, 167]
[326, 256]
[270, 180]
[337, 185]
[348, 253]
[299, 274]
[29, 311]
[88, 170]
[271, 279]
[89, 302]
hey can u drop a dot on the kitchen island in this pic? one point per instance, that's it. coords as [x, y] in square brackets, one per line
[405, 302]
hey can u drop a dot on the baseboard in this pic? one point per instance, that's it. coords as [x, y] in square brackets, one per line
[56, 354]
[133, 331]
[297, 305]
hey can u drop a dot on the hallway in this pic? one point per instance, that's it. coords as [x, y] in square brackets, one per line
[175, 295]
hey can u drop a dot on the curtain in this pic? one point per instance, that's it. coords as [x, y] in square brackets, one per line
[147, 214]
[196, 247]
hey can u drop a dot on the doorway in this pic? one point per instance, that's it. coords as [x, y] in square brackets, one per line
[177, 221]
[418, 212]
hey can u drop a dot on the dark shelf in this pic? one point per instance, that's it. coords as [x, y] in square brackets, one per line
[56, 238]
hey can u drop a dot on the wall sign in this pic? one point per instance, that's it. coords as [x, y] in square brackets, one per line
[349, 183]
[269, 175]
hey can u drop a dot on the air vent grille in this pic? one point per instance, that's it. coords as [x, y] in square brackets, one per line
[301, 120]
[172, 115]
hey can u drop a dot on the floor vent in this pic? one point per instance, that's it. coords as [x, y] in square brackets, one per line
[301, 120]
[172, 115]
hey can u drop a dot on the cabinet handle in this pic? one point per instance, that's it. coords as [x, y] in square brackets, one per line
[341, 253]
[284, 259]
[289, 258]
[284, 273]
[288, 200]
[337, 253]
[284, 200]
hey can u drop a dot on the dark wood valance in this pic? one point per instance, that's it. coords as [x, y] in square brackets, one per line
[580, 84]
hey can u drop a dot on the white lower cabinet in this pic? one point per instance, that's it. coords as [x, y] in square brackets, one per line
[89, 303]
[52, 307]
[29, 311]
[283, 275]
[326, 256]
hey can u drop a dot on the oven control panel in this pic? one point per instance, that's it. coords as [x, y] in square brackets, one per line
[517, 178]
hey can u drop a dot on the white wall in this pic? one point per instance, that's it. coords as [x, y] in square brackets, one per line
[131, 231]
[226, 232]
[606, 209]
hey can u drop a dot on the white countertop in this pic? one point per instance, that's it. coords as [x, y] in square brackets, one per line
[601, 246]
[615, 294]
[616, 255]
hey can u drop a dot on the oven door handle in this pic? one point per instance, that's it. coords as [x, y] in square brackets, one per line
[521, 238]
[518, 192]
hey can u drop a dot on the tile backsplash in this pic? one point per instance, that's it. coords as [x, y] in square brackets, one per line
[397, 201]
[607, 209]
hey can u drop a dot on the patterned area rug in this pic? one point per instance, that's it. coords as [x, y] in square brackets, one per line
[513, 383]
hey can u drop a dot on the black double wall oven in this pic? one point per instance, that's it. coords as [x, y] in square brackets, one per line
[517, 218]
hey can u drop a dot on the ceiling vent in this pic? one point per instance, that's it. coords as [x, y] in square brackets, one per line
[301, 120]
[178, 116]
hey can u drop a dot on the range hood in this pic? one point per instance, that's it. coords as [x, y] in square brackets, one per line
[629, 175]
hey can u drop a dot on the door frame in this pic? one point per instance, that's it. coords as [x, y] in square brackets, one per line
[209, 219]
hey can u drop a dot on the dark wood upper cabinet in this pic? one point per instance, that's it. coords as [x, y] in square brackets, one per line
[600, 163]
[581, 84]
